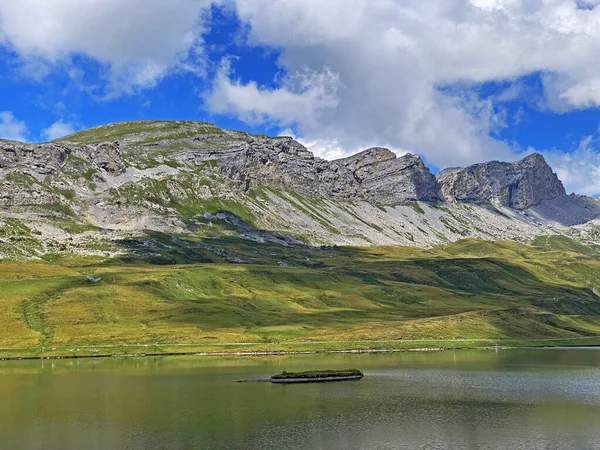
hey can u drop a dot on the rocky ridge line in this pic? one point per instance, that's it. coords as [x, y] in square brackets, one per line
[375, 175]
[83, 193]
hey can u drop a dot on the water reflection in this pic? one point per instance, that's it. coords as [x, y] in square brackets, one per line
[537, 399]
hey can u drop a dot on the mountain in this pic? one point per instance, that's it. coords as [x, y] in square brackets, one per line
[180, 237]
[90, 192]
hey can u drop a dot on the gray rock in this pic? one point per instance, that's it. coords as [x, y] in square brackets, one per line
[568, 210]
[47, 159]
[375, 175]
[199, 184]
[43, 159]
[106, 156]
[33, 175]
[383, 178]
[518, 185]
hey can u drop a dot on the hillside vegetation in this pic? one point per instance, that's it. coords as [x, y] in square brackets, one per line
[141, 132]
[173, 237]
[311, 298]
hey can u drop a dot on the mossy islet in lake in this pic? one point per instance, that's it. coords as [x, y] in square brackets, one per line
[316, 376]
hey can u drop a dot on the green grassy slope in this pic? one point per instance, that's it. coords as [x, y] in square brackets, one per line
[141, 132]
[565, 243]
[282, 297]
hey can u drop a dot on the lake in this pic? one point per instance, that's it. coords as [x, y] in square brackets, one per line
[526, 399]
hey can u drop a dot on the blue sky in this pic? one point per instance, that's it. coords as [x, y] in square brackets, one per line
[177, 96]
[458, 81]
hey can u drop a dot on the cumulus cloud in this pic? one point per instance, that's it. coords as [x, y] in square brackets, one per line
[57, 130]
[395, 61]
[137, 42]
[11, 128]
[298, 100]
[359, 72]
[578, 169]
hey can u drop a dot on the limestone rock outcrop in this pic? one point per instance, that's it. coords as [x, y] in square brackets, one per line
[106, 156]
[375, 175]
[517, 185]
[44, 159]
[188, 177]
[47, 159]
[383, 178]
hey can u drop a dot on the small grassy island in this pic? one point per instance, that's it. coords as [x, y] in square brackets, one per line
[316, 376]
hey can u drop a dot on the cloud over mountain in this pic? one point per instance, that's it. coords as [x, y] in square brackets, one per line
[351, 73]
[394, 60]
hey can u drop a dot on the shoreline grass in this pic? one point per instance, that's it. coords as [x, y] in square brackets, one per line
[289, 348]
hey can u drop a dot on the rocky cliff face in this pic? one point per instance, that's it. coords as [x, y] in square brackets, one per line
[43, 159]
[105, 156]
[375, 175]
[518, 185]
[383, 178]
[50, 175]
[47, 159]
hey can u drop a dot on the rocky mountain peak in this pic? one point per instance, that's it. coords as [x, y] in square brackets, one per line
[534, 158]
[367, 157]
[375, 174]
[188, 177]
[385, 178]
[518, 185]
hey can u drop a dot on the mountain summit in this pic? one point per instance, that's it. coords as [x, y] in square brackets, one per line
[519, 185]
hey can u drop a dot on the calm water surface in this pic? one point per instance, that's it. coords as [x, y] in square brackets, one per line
[512, 399]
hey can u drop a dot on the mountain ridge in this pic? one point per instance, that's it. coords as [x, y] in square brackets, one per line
[191, 178]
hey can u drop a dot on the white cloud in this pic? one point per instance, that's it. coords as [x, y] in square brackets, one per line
[579, 170]
[57, 130]
[361, 72]
[137, 41]
[11, 128]
[392, 59]
[298, 100]
[582, 94]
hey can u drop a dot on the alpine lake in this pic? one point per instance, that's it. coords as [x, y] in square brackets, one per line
[463, 399]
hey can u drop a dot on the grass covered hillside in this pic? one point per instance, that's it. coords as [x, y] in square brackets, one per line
[210, 240]
[270, 297]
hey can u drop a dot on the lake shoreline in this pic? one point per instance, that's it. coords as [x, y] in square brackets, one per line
[232, 353]
[248, 353]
